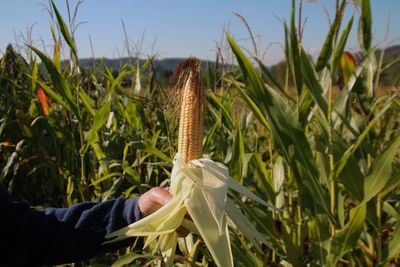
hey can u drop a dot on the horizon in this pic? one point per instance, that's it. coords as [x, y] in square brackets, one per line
[201, 59]
[178, 29]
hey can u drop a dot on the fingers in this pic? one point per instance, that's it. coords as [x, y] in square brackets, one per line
[152, 200]
[159, 195]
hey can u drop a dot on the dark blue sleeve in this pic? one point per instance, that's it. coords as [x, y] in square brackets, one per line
[30, 237]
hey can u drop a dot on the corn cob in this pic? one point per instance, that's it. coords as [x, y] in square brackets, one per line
[191, 116]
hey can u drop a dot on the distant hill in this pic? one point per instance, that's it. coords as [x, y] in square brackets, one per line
[391, 76]
[166, 66]
[391, 52]
[161, 66]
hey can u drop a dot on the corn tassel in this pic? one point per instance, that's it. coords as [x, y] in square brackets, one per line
[199, 187]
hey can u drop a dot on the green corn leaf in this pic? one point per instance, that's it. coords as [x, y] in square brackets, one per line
[393, 249]
[115, 82]
[87, 102]
[392, 183]
[264, 223]
[341, 102]
[319, 236]
[106, 177]
[346, 238]
[210, 78]
[346, 169]
[389, 209]
[341, 209]
[311, 80]
[329, 44]
[238, 150]
[54, 95]
[339, 48]
[263, 178]
[267, 73]
[208, 138]
[288, 56]
[131, 174]
[57, 78]
[306, 107]
[350, 174]
[114, 189]
[381, 170]
[56, 53]
[243, 257]
[245, 159]
[285, 128]
[12, 164]
[94, 69]
[341, 163]
[34, 75]
[64, 29]
[151, 84]
[93, 139]
[131, 114]
[101, 116]
[366, 24]
[295, 52]
[151, 150]
[253, 106]
[327, 48]
[215, 100]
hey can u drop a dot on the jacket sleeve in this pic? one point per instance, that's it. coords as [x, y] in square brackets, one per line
[30, 237]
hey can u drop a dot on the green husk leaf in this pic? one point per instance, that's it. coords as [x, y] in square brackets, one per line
[217, 243]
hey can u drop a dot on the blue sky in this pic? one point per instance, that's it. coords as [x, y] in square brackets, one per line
[179, 28]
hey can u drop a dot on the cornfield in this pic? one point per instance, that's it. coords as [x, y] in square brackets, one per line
[323, 150]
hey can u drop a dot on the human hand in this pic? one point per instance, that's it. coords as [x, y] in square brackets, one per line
[154, 199]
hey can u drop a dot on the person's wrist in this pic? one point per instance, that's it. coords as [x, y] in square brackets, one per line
[138, 213]
[131, 212]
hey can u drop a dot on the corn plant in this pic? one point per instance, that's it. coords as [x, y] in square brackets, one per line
[324, 152]
[329, 172]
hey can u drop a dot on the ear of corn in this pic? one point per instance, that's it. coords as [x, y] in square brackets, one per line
[191, 117]
[199, 187]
